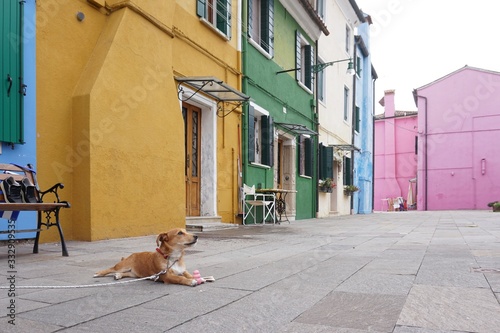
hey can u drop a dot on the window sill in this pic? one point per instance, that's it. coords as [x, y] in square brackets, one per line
[303, 86]
[260, 49]
[212, 27]
[258, 165]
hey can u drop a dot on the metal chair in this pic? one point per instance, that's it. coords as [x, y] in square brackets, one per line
[252, 200]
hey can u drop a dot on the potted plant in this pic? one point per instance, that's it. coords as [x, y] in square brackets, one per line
[327, 185]
[495, 205]
[350, 189]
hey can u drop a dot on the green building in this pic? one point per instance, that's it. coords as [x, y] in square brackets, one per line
[279, 136]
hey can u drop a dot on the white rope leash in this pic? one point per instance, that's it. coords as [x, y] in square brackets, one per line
[152, 277]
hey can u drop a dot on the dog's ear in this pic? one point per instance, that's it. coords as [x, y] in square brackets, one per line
[161, 238]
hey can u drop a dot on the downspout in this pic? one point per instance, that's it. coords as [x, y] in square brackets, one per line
[426, 180]
[244, 87]
[353, 118]
[22, 86]
[316, 129]
[373, 143]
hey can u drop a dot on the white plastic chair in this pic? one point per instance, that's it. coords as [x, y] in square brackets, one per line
[252, 200]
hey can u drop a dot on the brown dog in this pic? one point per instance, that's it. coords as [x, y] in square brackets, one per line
[168, 256]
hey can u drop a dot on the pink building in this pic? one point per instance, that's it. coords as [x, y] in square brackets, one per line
[395, 153]
[459, 129]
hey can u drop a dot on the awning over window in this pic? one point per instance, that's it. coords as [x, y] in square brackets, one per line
[346, 146]
[212, 87]
[296, 129]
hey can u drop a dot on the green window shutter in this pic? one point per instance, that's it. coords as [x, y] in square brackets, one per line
[309, 61]
[269, 27]
[251, 134]
[267, 140]
[11, 72]
[308, 145]
[356, 121]
[224, 17]
[250, 18]
[298, 56]
[347, 171]
[326, 166]
[201, 8]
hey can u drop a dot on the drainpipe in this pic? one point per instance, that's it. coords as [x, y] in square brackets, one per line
[244, 86]
[373, 143]
[426, 180]
[353, 127]
[316, 129]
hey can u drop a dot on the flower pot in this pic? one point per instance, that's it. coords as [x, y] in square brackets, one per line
[326, 189]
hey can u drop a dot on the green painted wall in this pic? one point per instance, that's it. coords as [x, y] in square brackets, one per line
[273, 92]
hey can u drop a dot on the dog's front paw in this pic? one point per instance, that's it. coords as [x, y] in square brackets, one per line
[118, 276]
[194, 283]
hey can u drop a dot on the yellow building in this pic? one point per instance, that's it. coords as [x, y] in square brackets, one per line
[120, 110]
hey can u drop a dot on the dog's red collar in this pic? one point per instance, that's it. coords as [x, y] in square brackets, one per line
[159, 251]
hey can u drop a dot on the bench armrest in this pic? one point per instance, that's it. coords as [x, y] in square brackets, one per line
[53, 191]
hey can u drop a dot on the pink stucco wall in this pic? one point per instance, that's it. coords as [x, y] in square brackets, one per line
[395, 158]
[459, 157]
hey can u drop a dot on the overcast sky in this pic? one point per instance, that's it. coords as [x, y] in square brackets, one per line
[414, 42]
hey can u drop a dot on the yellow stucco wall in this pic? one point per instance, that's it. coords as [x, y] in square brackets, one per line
[108, 117]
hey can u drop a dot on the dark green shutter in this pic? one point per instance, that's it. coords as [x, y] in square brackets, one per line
[270, 26]
[309, 62]
[251, 134]
[308, 146]
[326, 166]
[223, 16]
[267, 25]
[267, 140]
[11, 72]
[250, 18]
[201, 8]
[356, 120]
[347, 171]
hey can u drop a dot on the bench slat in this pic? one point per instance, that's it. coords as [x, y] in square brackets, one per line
[40, 206]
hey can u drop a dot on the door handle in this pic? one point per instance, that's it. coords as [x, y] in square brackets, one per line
[483, 166]
[9, 79]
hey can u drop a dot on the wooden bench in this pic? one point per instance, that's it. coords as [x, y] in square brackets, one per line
[48, 205]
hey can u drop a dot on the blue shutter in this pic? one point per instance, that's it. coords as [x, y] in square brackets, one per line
[251, 134]
[12, 87]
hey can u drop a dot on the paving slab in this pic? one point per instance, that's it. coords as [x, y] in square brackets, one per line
[401, 272]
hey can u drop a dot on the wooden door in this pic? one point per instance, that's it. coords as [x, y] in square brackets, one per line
[192, 143]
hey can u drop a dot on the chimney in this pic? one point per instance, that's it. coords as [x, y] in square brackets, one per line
[388, 103]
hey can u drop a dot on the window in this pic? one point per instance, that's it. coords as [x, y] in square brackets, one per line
[347, 39]
[325, 162]
[260, 136]
[305, 155]
[346, 103]
[11, 73]
[347, 171]
[358, 66]
[318, 6]
[320, 79]
[217, 13]
[261, 23]
[356, 119]
[304, 60]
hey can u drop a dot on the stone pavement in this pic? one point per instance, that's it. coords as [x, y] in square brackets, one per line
[402, 272]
